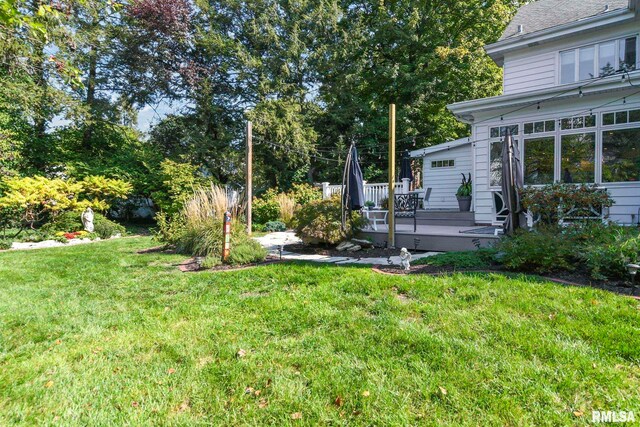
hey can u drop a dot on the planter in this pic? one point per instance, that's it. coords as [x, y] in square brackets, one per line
[464, 203]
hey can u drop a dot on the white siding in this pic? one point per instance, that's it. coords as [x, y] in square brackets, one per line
[530, 73]
[444, 182]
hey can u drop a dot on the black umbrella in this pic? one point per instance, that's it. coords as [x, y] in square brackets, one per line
[512, 182]
[352, 185]
[405, 166]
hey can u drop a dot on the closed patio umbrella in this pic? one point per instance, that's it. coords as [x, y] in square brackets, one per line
[512, 182]
[352, 185]
[405, 166]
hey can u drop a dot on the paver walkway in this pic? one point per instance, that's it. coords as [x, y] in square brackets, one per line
[272, 242]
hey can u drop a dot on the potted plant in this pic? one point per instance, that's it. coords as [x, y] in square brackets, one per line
[369, 204]
[464, 194]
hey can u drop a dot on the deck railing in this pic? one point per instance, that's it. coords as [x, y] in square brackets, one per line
[374, 192]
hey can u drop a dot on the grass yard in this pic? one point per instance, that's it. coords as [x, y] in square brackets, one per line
[99, 335]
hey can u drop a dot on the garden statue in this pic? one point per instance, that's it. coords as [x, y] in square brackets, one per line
[87, 220]
[405, 258]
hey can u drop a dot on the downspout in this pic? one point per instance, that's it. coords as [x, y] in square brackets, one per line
[473, 171]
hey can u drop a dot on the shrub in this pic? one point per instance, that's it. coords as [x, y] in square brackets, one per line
[105, 229]
[305, 193]
[70, 222]
[179, 180]
[609, 260]
[272, 226]
[321, 222]
[287, 207]
[258, 227]
[541, 250]
[266, 208]
[467, 259]
[246, 251]
[5, 244]
[547, 200]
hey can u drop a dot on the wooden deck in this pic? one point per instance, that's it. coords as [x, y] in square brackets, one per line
[437, 238]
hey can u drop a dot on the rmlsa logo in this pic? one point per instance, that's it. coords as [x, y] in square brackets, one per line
[613, 417]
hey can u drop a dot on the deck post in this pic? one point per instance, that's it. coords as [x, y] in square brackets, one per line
[392, 175]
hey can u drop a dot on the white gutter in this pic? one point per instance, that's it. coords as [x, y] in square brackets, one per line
[465, 110]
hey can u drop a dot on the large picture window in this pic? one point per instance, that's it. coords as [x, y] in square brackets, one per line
[578, 158]
[538, 160]
[621, 155]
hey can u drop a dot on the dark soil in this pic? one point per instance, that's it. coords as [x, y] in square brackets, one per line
[301, 248]
[191, 265]
[575, 278]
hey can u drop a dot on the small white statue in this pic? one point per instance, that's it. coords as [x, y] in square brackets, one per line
[87, 220]
[405, 259]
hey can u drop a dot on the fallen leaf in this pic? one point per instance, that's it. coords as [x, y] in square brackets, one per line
[268, 384]
[58, 342]
[262, 403]
[366, 393]
[257, 392]
[184, 406]
[578, 413]
[356, 412]
[296, 416]
[171, 371]
[552, 316]
[443, 390]
[241, 353]
[48, 384]
[338, 402]
[594, 302]
[135, 404]
[248, 390]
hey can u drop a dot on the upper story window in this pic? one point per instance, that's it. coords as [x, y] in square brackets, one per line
[597, 60]
[443, 163]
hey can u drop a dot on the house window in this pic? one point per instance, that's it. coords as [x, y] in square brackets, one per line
[621, 117]
[587, 64]
[607, 58]
[567, 67]
[578, 158]
[442, 164]
[578, 122]
[497, 135]
[627, 53]
[538, 160]
[621, 155]
[540, 127]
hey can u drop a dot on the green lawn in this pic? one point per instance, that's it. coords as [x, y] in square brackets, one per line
[99, 335]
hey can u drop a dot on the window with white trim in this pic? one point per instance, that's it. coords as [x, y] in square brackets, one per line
[600, 59]
[578, 122]
[442, 164]
[621, 146]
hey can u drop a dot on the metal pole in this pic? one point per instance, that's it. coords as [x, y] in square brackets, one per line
[249, 176]
[392, 175]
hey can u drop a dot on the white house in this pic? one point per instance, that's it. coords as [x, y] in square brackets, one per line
[571, 97]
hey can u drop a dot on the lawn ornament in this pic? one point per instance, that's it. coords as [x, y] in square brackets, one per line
[405, 259]
[87, 220]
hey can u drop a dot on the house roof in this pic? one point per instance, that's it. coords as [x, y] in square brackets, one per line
[440, 147]
[545, 14]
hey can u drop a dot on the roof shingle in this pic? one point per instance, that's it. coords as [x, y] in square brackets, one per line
[543, 14]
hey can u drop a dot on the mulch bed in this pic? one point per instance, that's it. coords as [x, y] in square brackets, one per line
[191, 265]
[564, 278]
[301, 248]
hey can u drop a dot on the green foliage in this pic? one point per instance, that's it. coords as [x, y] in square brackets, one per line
[272, 226]
[246, 251]
[466, 188]
[105, 229]
[266, 207]
[305, 193]
[179, 180]
[542, 250]
[5, 244]
[69, 222]
[608, 260]
[546, 201]
[321, 222]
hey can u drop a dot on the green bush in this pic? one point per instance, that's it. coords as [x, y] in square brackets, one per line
[542, 250]
[69, 222]
[258, 227]
[266, 208]
[5, 244]
[546, 201]
[609, 260]
[305, 193]
[321, 222]
[246, 251]
[272, 226]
